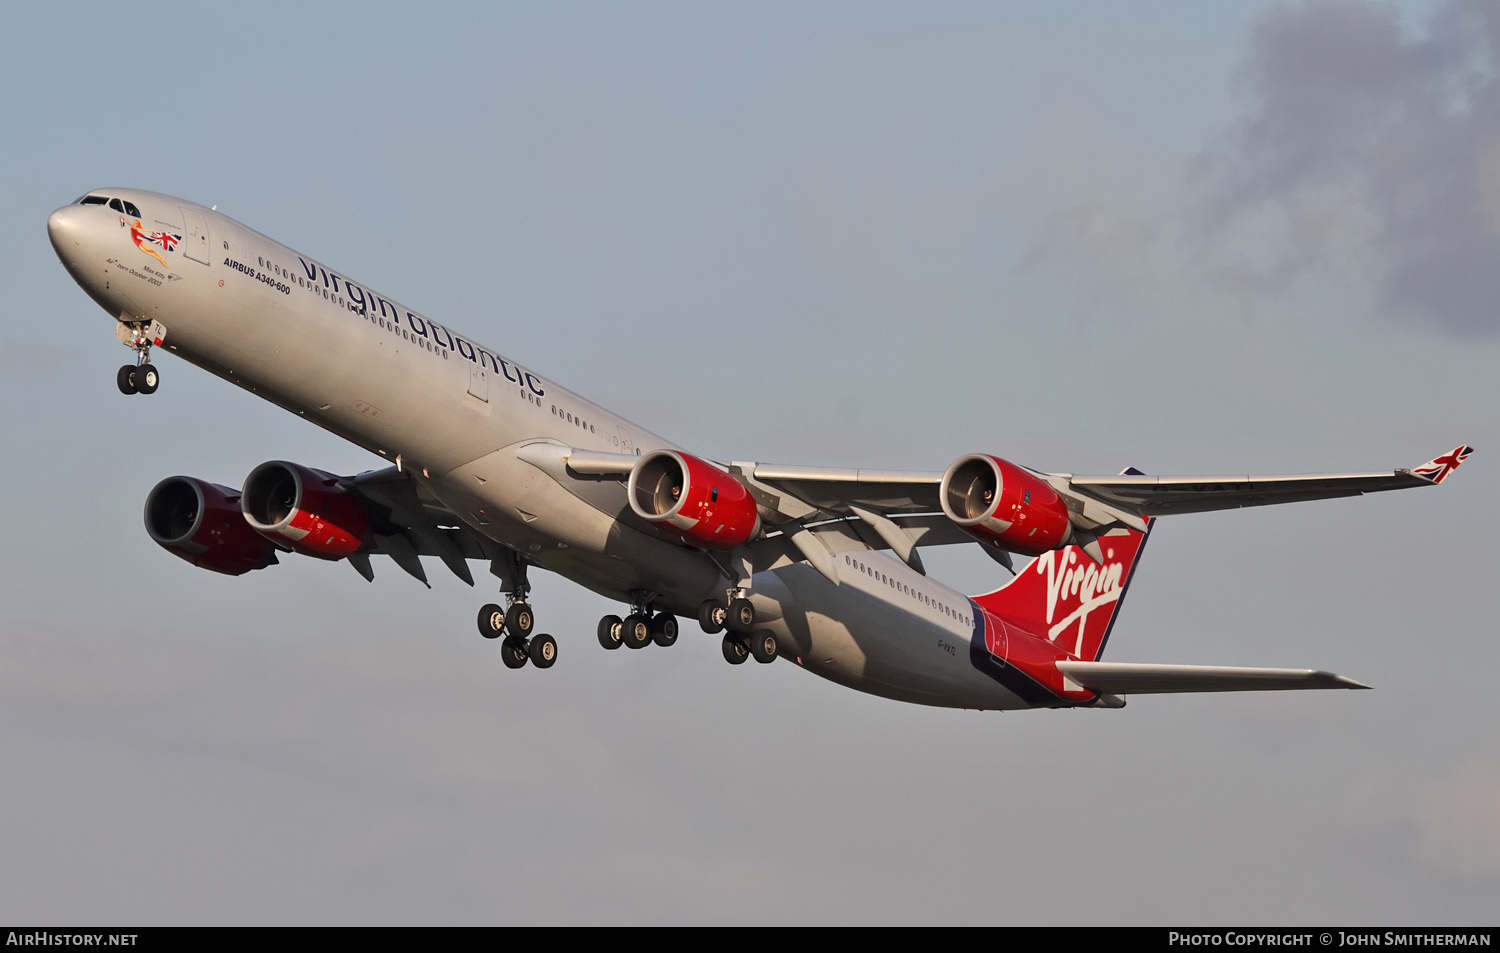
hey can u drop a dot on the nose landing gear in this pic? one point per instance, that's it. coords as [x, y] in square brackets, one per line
[142, 377]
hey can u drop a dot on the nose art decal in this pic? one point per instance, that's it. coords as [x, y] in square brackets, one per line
[144, 239]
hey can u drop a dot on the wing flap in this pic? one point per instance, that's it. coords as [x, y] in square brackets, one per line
[409, 522]
[1132, 678]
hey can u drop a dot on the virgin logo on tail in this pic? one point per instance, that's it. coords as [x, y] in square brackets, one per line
[1078, 585]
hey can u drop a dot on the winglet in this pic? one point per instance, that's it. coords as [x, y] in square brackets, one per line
[1437, 470]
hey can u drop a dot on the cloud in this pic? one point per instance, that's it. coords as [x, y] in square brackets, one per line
[1370, 150]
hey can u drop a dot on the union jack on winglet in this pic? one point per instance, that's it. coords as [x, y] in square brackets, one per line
[1437, 470]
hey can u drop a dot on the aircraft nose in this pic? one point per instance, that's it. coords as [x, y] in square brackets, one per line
[64, 229]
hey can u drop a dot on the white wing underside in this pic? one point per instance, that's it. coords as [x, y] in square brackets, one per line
[1130, 678]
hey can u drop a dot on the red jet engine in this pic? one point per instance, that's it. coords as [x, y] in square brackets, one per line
[692, 500]
[1001, 503]
[304, 510]
[202, 523]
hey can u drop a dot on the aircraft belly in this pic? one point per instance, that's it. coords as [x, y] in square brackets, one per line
[853, 636]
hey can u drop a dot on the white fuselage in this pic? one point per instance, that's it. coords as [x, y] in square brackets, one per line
[291, 330]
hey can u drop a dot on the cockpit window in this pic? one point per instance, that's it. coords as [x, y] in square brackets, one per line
[119, 205]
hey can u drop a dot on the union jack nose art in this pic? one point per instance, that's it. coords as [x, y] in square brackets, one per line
[142, 238]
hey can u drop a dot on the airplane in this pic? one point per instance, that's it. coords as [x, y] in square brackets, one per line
[490, 460]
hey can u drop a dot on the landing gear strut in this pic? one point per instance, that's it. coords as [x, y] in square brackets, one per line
[142, 377]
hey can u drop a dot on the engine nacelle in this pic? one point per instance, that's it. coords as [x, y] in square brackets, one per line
[304, 510]
[202, 523]
[1001, 503]
[692, 500]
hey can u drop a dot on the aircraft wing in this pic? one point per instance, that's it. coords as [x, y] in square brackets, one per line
[900, 509]
[1167, 495]
[1130, 678]
[841, 492]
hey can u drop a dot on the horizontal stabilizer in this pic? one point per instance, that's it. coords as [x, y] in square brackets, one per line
[1130, 678]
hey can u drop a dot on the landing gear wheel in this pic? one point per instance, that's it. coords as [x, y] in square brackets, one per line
[610, 629]
[711, 616]
[519, 621]
[664, 629]
[147, 378]
[513, 652]
[125, 379]
[491, 621]
[741, 617]
[636, 631]
[763, 647]
[735, 650]
[543, 651]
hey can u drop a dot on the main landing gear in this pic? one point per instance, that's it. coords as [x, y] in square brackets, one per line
[514, 626]
[742, 640]
[762, 645]
[638, 629]
[142, 377]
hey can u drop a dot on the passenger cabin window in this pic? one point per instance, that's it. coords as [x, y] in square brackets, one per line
[93, 200]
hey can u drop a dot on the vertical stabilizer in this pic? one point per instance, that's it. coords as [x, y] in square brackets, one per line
[1068, 598]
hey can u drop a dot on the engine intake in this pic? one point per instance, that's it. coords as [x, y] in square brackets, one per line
[998, 502]
[692, 500]
[304, 510]
[202, 523]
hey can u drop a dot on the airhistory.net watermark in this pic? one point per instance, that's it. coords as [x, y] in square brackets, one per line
[40, 938]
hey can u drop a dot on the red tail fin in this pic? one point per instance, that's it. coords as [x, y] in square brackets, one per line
[1068, 599]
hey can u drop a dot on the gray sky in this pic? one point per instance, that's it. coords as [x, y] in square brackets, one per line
[1231, 237]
